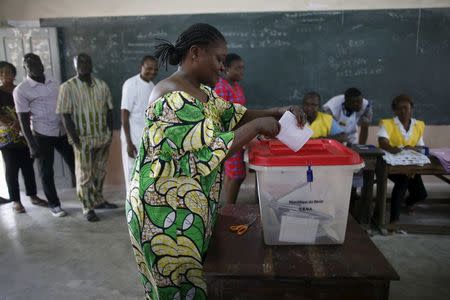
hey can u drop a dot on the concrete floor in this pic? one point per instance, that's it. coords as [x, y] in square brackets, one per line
[42, 257]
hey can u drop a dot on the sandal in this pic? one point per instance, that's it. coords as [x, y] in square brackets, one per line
[18, 208]
[35, 200]
[411, 210]
[91, 216]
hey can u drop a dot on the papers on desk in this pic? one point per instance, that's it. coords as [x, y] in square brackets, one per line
[290, 134]
[443, 154]
[406, 158]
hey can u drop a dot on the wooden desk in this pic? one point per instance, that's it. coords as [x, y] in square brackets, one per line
[373, 159]
[243, 267]
[382, 172]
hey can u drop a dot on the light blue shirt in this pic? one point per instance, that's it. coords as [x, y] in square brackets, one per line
[335, 128]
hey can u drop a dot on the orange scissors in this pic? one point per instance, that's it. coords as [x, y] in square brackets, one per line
[243, 228]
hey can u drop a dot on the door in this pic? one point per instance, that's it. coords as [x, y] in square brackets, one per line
[14, 43]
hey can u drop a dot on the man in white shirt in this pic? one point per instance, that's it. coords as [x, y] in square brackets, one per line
[135, 96]
[35, 100]
[351, 110]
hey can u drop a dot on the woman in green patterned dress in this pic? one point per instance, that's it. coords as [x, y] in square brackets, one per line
[174, 191]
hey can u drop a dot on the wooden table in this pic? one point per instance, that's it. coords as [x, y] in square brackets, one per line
[243, 267]
[373, 159]
[382, 172]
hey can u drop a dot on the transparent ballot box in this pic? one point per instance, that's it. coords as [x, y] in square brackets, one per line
[304, 196]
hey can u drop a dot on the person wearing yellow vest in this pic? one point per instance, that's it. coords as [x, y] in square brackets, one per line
[323, 125]
[394, 135]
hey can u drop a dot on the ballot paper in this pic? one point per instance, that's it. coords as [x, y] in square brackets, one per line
[405, 158]
[298, 230]
[290, 134]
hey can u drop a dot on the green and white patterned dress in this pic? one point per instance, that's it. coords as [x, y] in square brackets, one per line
[174, 192]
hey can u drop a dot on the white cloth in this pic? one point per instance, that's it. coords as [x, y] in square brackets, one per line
[406, 134]
[40, 99]
[348, 122]
[135, 98]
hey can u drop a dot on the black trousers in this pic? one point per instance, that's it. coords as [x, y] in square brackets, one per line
[47, 146]
[402, 183]
[17, 157]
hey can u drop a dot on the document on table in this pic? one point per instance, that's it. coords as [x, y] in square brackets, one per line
[406, 157]
[290, 134]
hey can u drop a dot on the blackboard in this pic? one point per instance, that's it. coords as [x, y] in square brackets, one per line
[381, 52]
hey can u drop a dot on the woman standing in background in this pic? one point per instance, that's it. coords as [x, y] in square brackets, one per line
[230, 90]
[13, 146]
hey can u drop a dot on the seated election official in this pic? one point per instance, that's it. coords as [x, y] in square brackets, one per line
[394, 135]
[323, 125]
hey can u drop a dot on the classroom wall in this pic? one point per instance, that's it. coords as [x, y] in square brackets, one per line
[32, 10]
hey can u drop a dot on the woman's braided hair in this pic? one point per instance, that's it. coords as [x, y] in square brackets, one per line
[199, 34]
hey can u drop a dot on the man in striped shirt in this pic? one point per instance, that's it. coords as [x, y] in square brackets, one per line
[85, 104]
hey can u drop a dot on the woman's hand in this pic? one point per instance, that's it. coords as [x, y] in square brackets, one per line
[267, 126]
[15, 125]
[131, 150]
[297, 111]
[394, 150]
[417, 149]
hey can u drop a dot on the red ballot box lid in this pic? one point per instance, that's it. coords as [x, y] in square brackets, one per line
[317, 152]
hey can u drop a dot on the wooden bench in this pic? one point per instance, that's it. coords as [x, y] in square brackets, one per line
[243, 267]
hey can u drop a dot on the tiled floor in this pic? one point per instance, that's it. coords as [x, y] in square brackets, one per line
[42, 257]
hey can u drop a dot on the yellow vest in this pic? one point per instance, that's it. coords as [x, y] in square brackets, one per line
[396, 138]
[321, 126]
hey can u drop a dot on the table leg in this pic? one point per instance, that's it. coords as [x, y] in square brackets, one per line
[382, 177]
[364, 206]
[256, 188]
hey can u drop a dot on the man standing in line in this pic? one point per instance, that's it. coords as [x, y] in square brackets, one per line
[351, 110]
[85, 104]
[35, 101]
[135, 94]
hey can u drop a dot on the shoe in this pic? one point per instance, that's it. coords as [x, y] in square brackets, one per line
[91, 216]
[106, 205]
[58, 212]
[4, 200]
[35, 200]
[411, 210]
[18, 208]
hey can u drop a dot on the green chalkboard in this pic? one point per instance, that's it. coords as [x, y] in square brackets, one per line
[382, 52]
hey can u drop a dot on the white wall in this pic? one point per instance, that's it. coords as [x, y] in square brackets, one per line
[26, 10]
[36, 9]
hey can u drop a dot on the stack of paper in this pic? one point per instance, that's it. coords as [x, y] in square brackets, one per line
[405, 158]
[443, 154]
